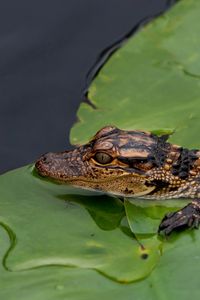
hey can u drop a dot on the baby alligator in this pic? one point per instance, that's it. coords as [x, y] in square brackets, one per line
[132, 164]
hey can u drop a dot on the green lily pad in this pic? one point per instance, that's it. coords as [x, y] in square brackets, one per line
[58, 242]
[52, 226]
[152, 82]
[168, 279]
[144, 216]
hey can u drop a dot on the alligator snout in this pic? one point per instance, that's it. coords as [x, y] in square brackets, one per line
[63, 166]
[46, 164]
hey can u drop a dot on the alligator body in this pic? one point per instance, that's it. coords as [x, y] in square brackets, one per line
[132, 164]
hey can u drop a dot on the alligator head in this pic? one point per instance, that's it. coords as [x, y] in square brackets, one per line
[120, 162]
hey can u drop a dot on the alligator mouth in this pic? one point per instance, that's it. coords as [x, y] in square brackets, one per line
[48, 173]
[136, 178]
[60, 169]
[138, 189]
[116, 186]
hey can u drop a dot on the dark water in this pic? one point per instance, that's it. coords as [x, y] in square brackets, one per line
[47, 49]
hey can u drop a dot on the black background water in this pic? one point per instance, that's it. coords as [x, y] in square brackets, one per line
[46, 50]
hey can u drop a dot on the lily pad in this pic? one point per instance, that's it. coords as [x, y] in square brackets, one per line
[152, 82]
[56, 282]
[52, 227]
[144, 216]
[58, 242]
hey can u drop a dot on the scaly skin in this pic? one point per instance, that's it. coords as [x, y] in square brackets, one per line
[132, 164]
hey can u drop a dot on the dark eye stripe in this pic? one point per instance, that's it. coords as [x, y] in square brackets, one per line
[132, 160]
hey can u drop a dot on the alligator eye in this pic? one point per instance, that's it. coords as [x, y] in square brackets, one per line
[103, 158]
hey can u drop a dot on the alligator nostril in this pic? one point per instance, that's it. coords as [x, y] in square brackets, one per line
[43, 164]
[46, 158]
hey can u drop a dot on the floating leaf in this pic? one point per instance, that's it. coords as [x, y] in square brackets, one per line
[151, 83]
[53, 227]
[144, 216]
